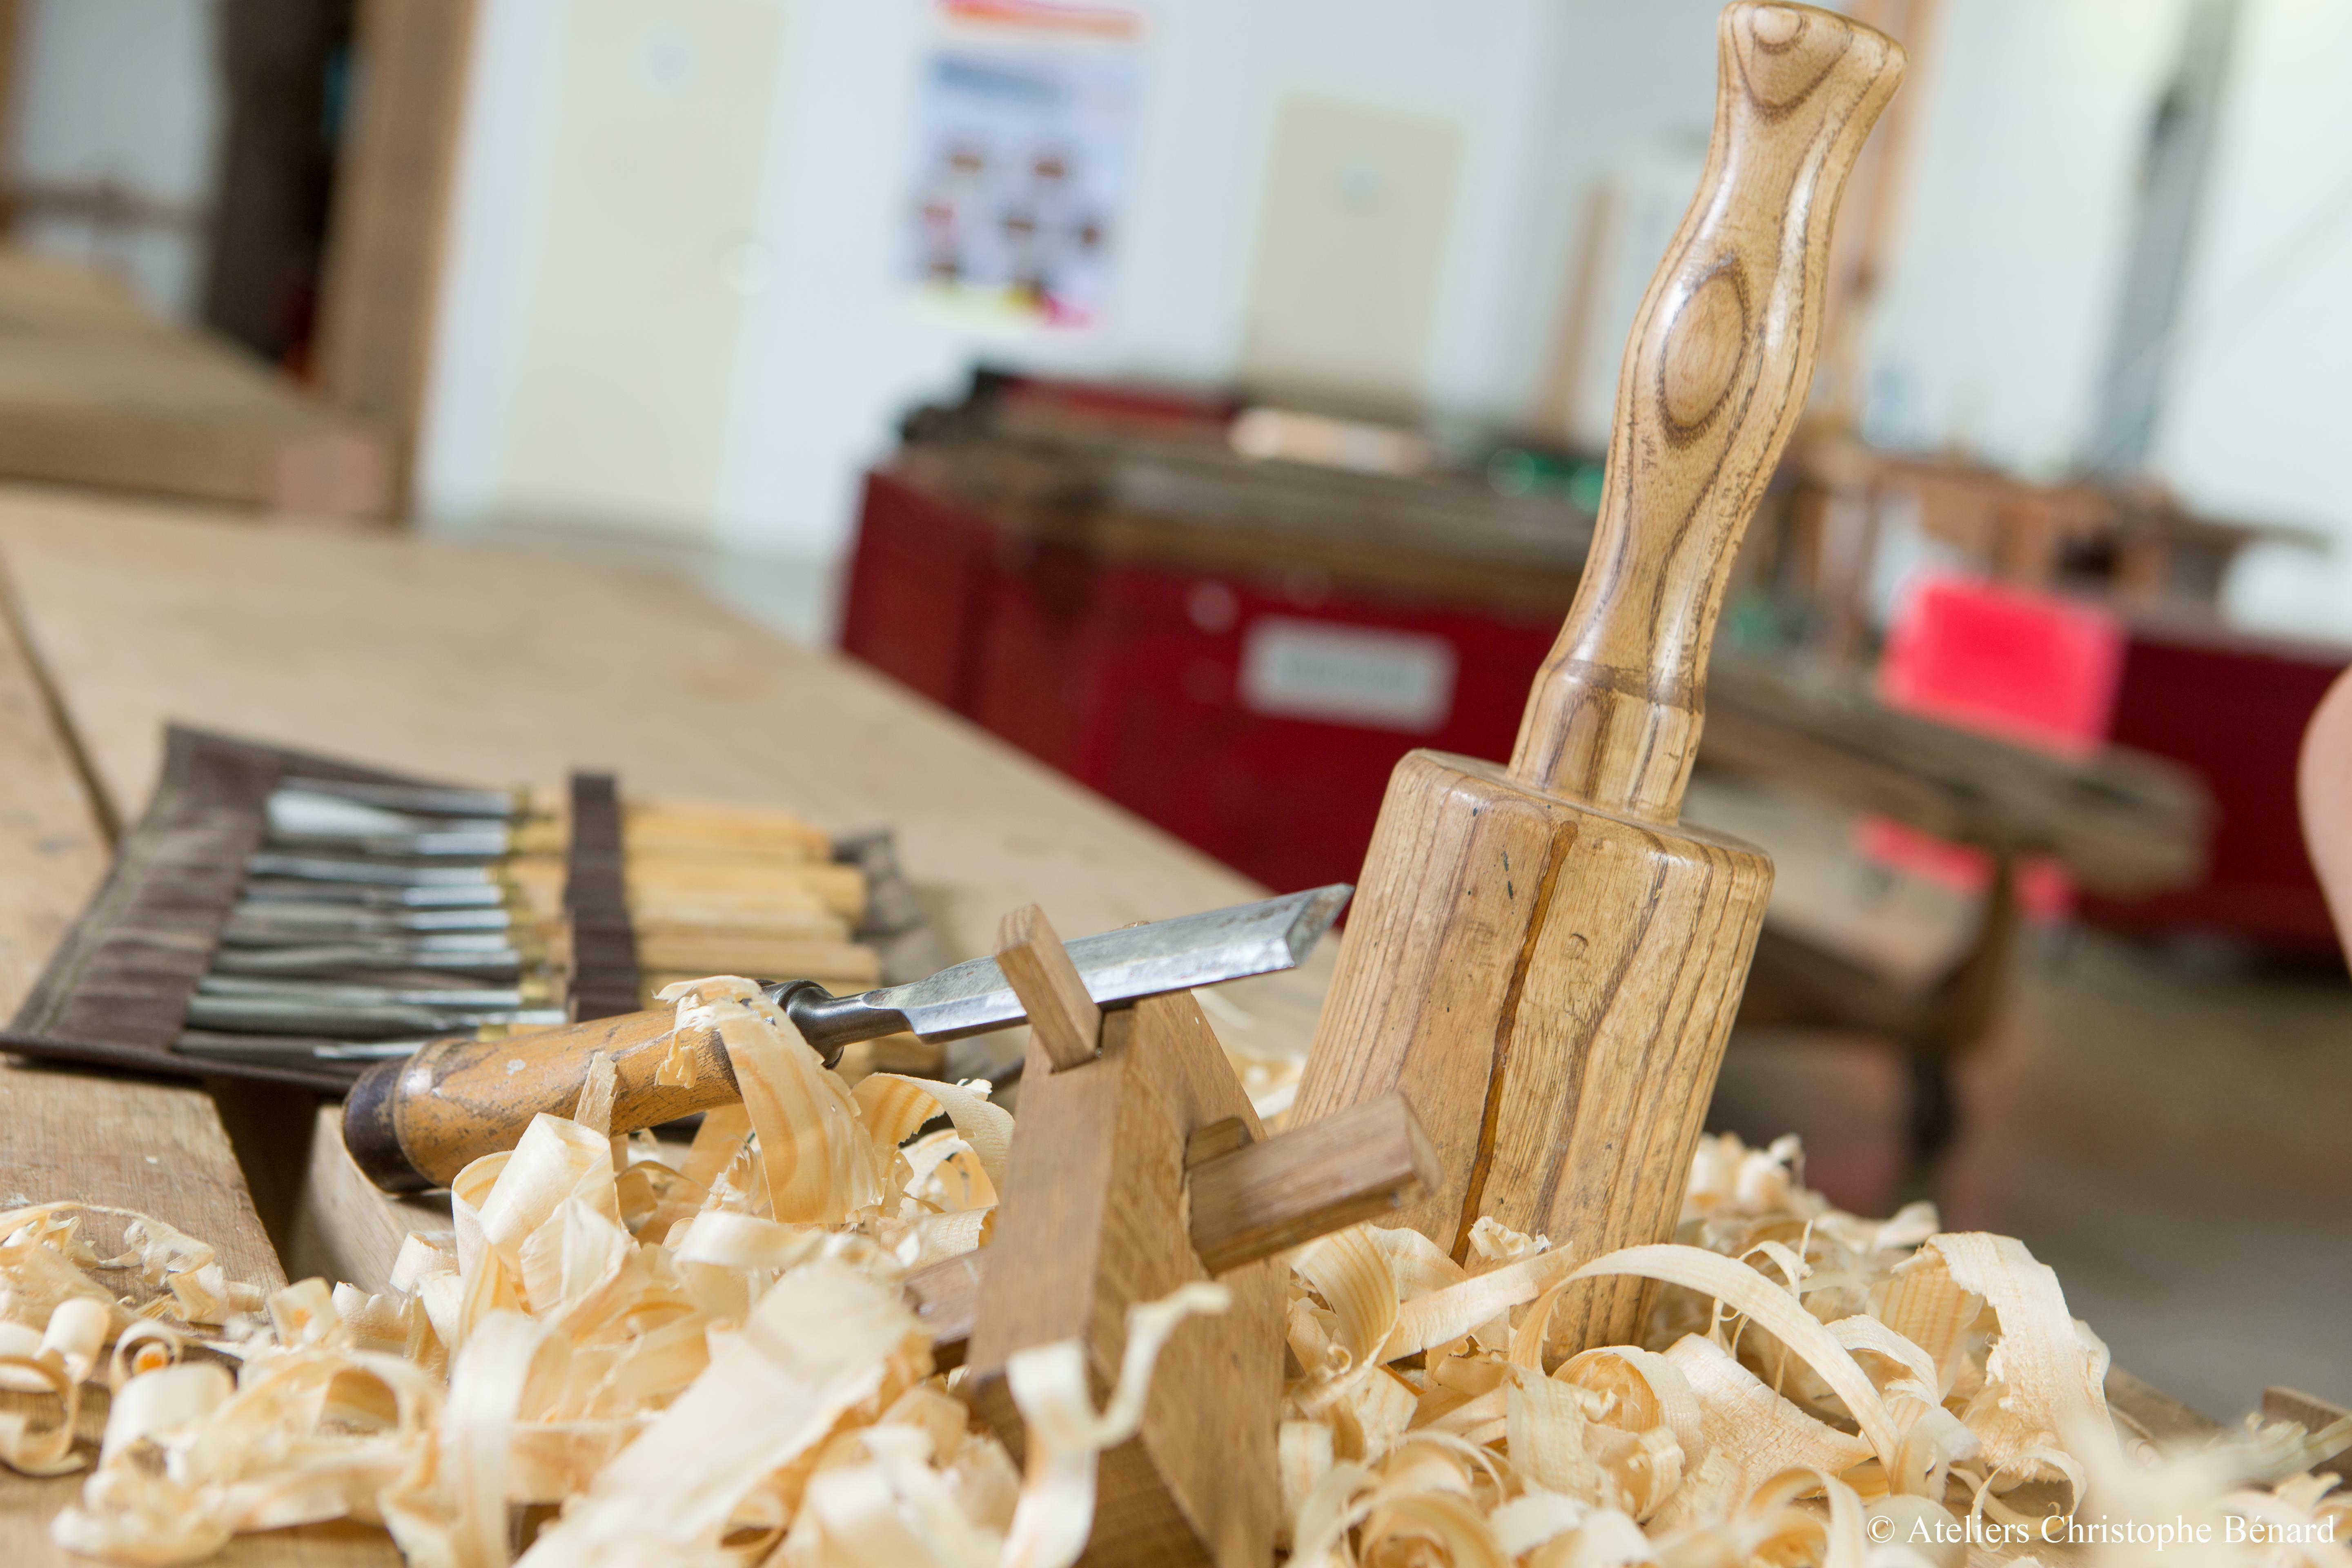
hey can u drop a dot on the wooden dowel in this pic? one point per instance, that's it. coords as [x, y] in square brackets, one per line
[1247, 1203]
[1264, 1197]
[1063, 1019]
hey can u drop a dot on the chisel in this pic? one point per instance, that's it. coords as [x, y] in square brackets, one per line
[1545, 961]
[355, 959]
[350, 1020]
[415, 1123]
[303, 819]
[274, 891]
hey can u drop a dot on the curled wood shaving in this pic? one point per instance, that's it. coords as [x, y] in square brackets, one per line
[699, 1357]
[1810, 1388]
[705, 1357]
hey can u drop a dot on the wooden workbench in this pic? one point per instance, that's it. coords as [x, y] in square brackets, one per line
[481, 667]
[95, 390]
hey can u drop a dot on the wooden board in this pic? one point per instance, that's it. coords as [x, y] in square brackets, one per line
[386, 236]
[344, 1228]
[94, 390]
[107, 1140]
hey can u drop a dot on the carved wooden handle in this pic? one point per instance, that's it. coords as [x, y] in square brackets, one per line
[1713, 381]
[415, 1124]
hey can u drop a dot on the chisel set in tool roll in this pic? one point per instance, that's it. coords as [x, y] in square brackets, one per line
[291, 917]
[375, 917]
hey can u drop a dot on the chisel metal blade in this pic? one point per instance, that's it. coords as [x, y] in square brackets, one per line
[300, 813]
[314, 922]
[349, 958]
[352, 1055]
[239, 933]
[417, 800]
[277, 892]
[1117, 966]
[373, 873]
[267, 1015]
[327, 992]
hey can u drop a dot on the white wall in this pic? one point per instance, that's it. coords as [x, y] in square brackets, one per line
[1993, 329]
[834, 347]
[2256, 421]
[1990, 335]
[127, 92]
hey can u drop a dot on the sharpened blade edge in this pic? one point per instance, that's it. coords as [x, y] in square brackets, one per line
[1176, 954]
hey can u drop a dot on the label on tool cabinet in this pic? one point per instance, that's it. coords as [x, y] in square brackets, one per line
[1347, 674]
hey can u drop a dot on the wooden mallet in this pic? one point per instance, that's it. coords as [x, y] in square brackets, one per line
[1138, 1167]
[1541, 957]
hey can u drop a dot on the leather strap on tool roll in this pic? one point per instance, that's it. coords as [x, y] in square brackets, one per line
[415, 1124]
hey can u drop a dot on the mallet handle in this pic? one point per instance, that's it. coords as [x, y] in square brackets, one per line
[1712, 384]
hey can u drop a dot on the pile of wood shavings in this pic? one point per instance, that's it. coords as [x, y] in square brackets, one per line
[706, 1364]
[711, 1361]
[1812, 1387]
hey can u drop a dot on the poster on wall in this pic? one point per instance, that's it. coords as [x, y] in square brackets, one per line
[1026, 120]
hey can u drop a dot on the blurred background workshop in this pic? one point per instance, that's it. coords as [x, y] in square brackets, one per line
[1094, 440]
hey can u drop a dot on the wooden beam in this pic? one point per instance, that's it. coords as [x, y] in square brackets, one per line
[96, 391]
[386, 235]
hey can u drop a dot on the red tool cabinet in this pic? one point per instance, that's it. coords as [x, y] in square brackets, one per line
[1143, 677]
[1253, 716]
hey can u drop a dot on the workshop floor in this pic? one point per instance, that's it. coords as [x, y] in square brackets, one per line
[2170, 1138]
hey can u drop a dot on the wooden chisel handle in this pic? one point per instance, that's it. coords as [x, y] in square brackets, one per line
[1712, 384]
[415, 1123]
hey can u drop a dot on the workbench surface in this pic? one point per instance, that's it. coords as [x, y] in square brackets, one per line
[483, 667]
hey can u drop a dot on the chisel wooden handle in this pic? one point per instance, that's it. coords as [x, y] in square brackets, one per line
[1712, 384]
[415, 1124]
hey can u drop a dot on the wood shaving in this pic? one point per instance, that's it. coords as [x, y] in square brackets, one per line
[1812, 1387]
[649, 1357]
[705, 1357]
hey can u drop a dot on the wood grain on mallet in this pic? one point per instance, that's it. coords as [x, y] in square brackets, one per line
[1063, 1019]
[1542, 958]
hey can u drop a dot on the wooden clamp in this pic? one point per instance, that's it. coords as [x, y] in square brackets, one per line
[1542, 957]
[1136, 1168]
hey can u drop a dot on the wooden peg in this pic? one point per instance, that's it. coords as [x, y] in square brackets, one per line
[1267, 1196]
[1250, 1199]
[1062, 1018]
